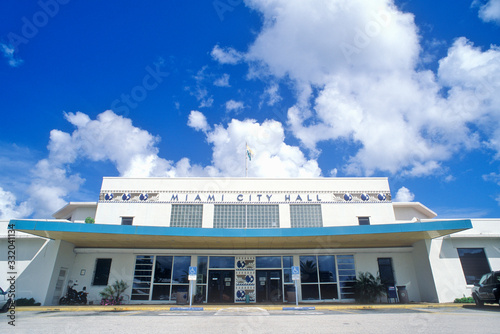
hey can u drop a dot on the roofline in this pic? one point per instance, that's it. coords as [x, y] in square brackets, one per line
[242, 178]
[73, 205]
[417, 206]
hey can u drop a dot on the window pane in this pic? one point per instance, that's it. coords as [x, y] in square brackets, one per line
[101, 274]
[186, 215]
[229, 216]
[263, 216]
[327, 268]
[127, 220]
[202, 269]
[181, 269]
[287, 261]
[287, 275]
[222, 262]
[329, 291]
[308, 269]
[163, 270]
[386, 271]
[268, 261]
[364, 220]
[306, 215]
[474, 263]
[310, 291]
[161, 292]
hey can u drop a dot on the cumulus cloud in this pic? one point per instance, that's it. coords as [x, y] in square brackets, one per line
[272, 156]
[226, 55]
[10, 208]
[198, 121]
[235, 106]
[356, 69]
[404, 195]
[134, 152]
[489, 11]
[8, 52]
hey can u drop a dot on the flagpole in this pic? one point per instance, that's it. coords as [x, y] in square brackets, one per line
[246, 159]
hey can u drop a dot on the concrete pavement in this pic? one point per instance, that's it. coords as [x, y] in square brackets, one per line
[212, 307]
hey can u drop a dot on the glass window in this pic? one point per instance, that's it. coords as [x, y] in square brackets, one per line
[308, 269]
[287, 261]
[474, 263]
[127, 220]
[246, 216]
[181, 269]
[306, 215]
[163, 269]
[186, 215]
[347, 275]
[101, 273]
[142, 277]
[268, 262]
[202, 269]
[222, 262]
[310, 292]
[364, 220]
[229, 216]
[263, 216]
[386, 272]
[327, 271]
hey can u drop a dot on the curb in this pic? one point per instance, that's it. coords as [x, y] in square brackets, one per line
[169, 307]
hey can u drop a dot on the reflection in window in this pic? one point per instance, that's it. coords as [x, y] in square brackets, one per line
[268, 261]
[226, 262]
[336, 276]
[167, 270]
[474, 263]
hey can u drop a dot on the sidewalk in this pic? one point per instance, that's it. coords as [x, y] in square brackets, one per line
[217, 307]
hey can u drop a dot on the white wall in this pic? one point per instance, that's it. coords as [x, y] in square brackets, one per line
[403, 266]
[122, 268]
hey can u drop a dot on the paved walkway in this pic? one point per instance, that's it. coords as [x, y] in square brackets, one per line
[212, 307]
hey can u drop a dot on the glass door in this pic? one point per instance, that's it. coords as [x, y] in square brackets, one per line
[269, 286]
[221, 286]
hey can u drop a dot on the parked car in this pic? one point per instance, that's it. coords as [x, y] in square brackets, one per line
[487, 290]
[4, 301]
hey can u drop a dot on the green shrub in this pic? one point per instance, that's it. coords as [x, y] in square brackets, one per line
[26, 302]
[89, 220]
[368, 288]
[464, 300]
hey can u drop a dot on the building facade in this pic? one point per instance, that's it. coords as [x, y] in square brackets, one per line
[244, 235]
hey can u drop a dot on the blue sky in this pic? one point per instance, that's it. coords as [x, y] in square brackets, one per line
[408, 90]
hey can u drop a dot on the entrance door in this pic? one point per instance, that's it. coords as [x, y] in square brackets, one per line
[269, 286]
[221, 286]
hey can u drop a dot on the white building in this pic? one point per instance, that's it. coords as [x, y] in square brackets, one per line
[244, 235]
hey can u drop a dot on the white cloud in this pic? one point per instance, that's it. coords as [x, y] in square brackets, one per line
[489, 11]
[356, 70]
[404, 195]
[271, 94]
[223, 81]
[10, 209]
[8, 52]
[235, 106]
[226, 55]
[272, 156]
[200, 92]
[198, 121]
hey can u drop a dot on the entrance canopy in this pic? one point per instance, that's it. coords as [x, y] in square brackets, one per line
[153, 237]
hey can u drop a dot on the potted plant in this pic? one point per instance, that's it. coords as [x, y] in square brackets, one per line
[113, 294]
[368, 288]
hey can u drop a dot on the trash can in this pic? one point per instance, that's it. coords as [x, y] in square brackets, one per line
[403, 294]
